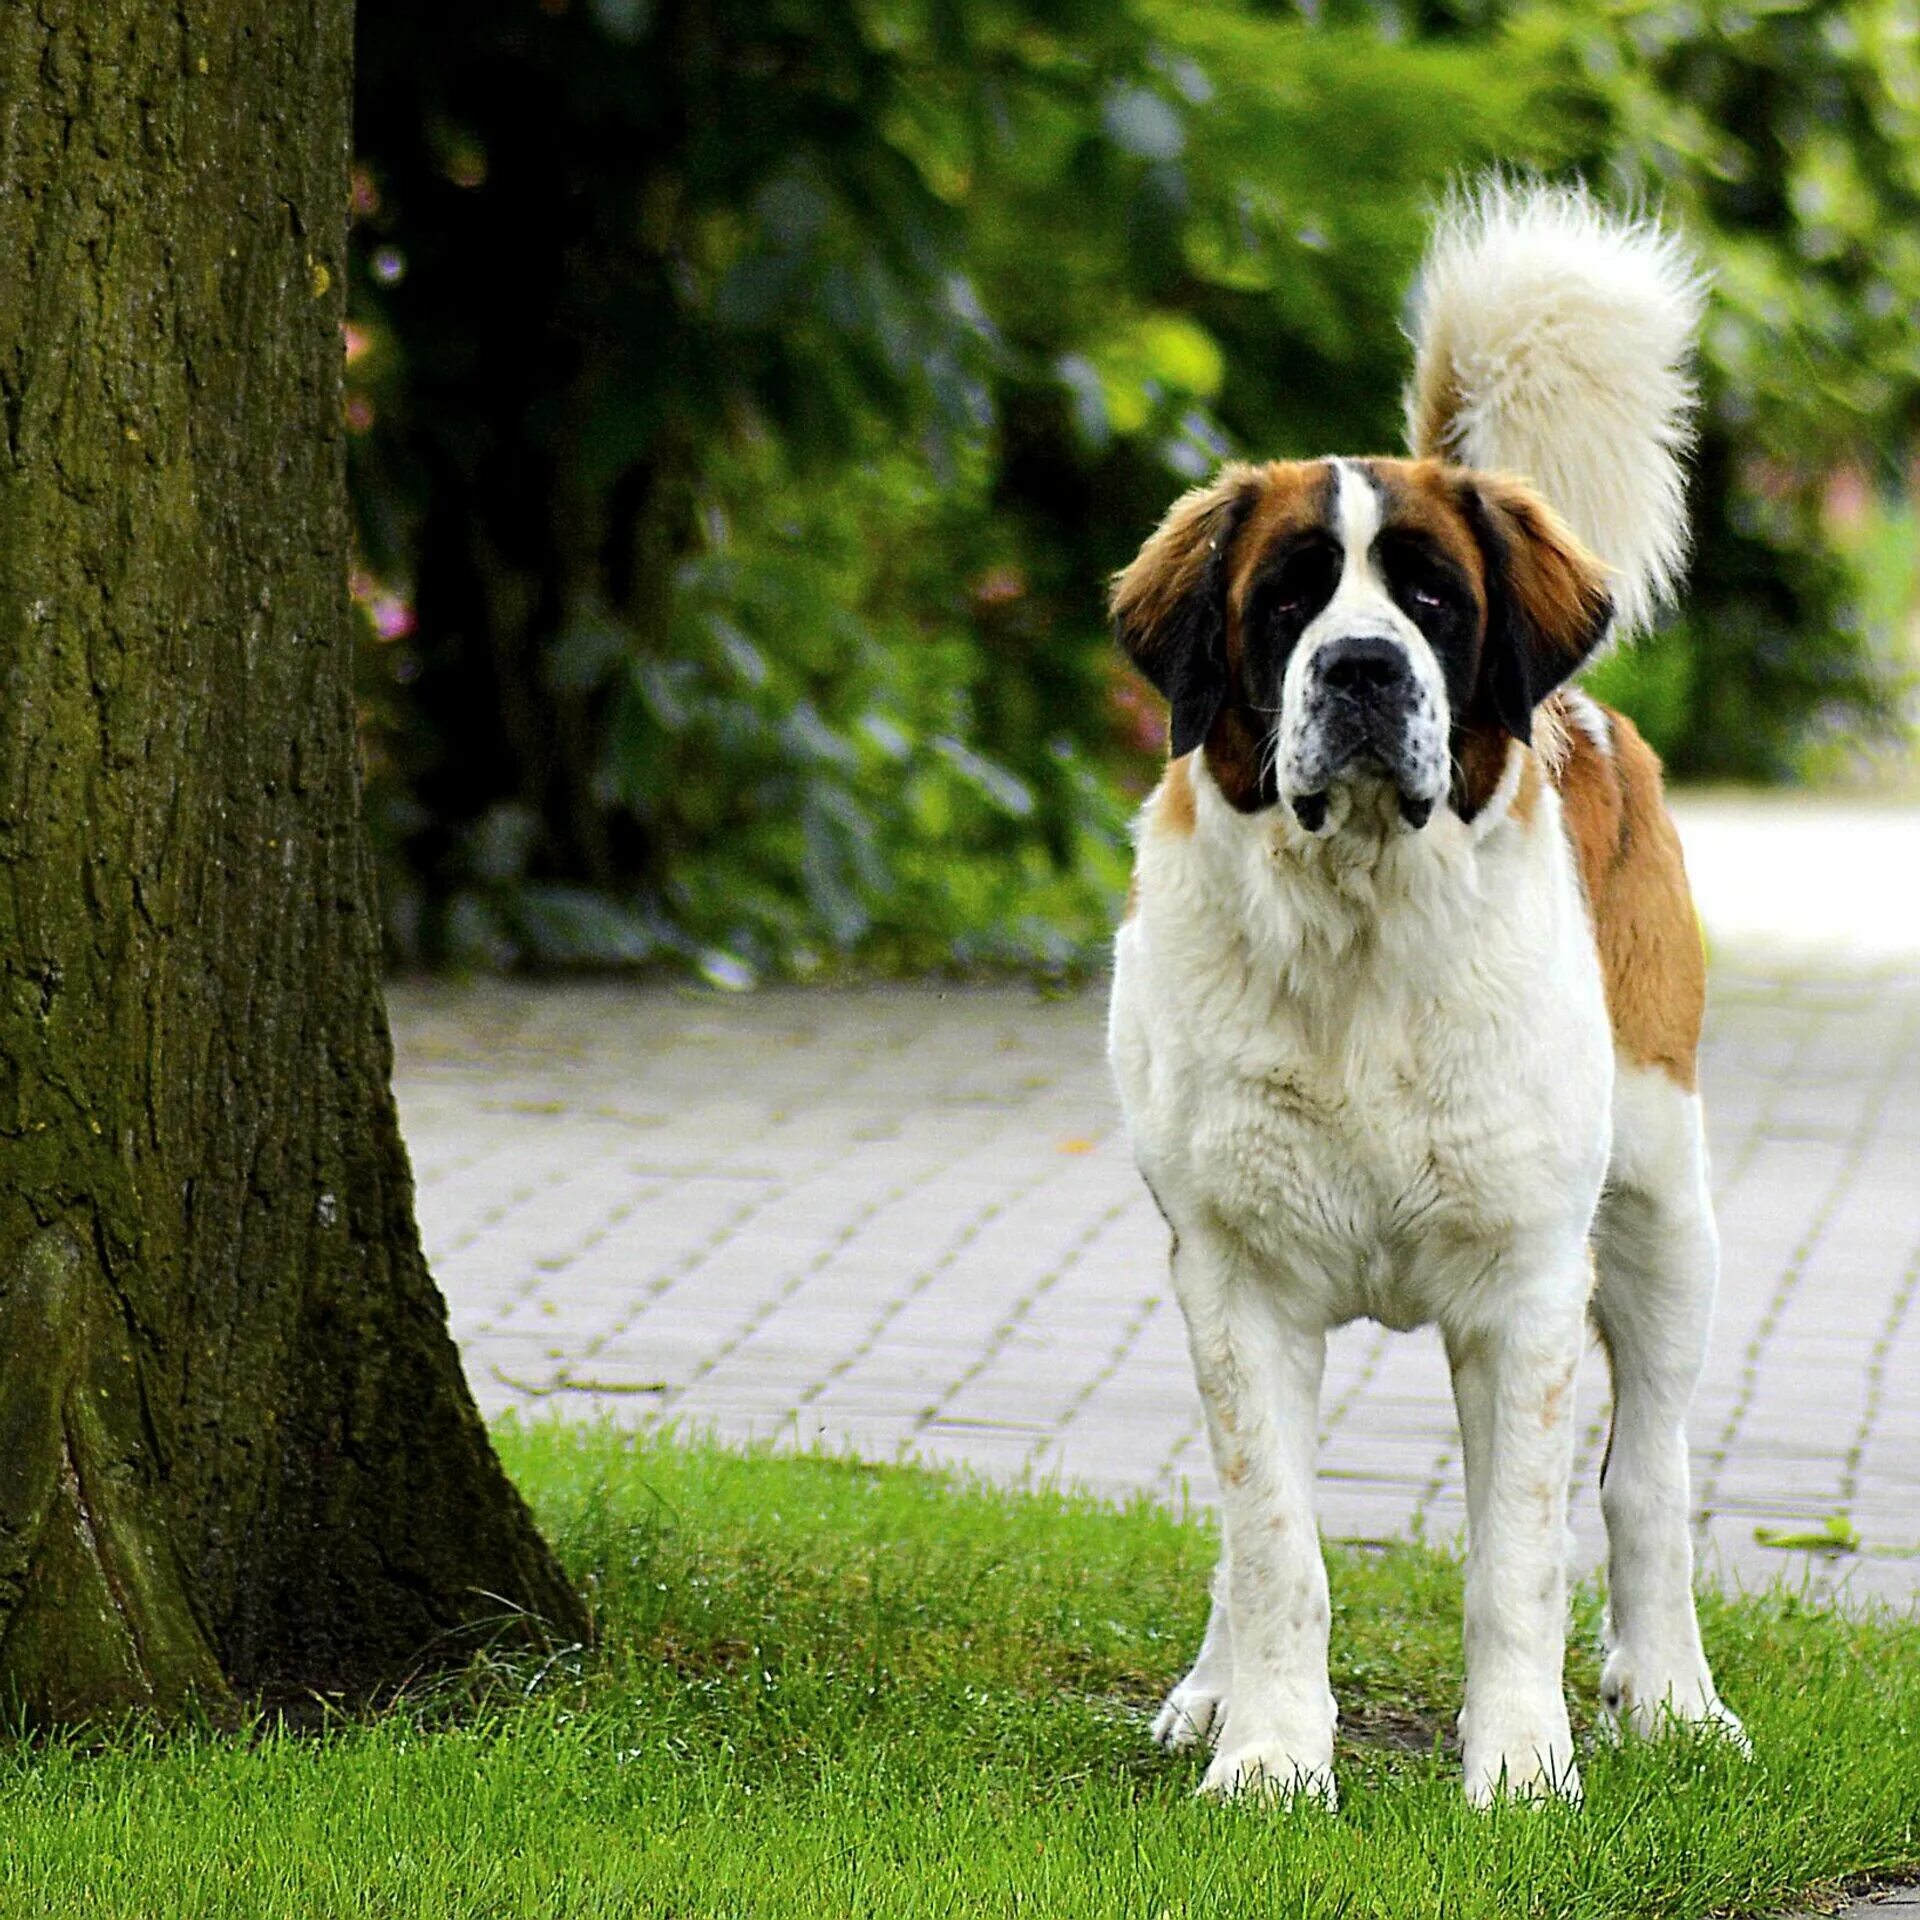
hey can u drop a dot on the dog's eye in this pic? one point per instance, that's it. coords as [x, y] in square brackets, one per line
[1303, 584]
[1422, 589]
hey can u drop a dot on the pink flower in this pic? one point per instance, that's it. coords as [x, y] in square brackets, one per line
[393, 618]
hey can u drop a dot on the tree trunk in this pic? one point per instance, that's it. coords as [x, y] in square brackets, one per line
[237, 1455]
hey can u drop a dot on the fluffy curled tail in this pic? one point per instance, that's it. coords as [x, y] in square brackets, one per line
[1552, 339]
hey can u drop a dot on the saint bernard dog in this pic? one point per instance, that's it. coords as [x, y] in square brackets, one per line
[1407, 998]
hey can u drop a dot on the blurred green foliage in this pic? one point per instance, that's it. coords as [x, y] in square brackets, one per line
[750, 398]
[1786, 140]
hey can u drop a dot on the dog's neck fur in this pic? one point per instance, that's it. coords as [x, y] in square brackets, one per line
[1365, 869]
[1282, 932]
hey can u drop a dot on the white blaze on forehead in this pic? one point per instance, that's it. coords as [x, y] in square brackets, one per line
[1356, 521]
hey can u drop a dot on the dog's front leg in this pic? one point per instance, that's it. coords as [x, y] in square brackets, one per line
[1259, 1377]
[1513, 1382]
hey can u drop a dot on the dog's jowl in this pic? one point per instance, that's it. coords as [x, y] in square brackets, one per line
[1408, 996]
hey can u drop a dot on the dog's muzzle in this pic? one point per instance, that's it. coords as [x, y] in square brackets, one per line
[1364, 710]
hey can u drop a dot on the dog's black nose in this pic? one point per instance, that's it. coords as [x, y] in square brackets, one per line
[1365, 666]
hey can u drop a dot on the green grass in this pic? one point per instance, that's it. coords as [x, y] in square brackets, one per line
[826, 1690]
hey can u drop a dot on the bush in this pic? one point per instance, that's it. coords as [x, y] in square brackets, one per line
[798, 752]
[749, 400]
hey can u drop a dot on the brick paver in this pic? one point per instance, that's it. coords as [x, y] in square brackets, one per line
[903, 1220]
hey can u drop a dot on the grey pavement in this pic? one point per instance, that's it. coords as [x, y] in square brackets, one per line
[902, 1220]
[1882, 1903]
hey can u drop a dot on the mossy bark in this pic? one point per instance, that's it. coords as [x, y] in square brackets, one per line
[237, 1456]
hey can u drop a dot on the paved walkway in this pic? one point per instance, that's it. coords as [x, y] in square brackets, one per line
[903, 1220]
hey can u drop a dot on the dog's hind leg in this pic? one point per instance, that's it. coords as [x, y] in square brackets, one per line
[1658, 1258]
[1188, 1714]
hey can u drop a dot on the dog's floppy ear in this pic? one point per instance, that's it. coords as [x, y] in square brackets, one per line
[1548, 606]
[1170, 606]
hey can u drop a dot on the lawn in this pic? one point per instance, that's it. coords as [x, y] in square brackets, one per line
[826, 1689]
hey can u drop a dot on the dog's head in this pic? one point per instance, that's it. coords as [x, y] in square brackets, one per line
[1322, 625]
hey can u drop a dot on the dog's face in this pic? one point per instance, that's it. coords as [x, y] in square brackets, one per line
[1323, 625]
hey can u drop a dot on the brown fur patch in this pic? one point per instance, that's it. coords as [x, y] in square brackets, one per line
[1557, 584]
[1546, 610]
[1172, 805]
[1629, 857]
[1170, 810]
[1526, 796]
[1293, 495]
[1480, 748]
[1151, 591]
[1236, 753]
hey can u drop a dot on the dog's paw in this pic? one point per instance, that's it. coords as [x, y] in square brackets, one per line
[1271, 1770]
[1189, 1713]
[1649, 1699]
[1521, 1756]
[1523, 1773]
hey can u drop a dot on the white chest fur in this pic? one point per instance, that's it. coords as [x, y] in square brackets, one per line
[1380, 1062]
